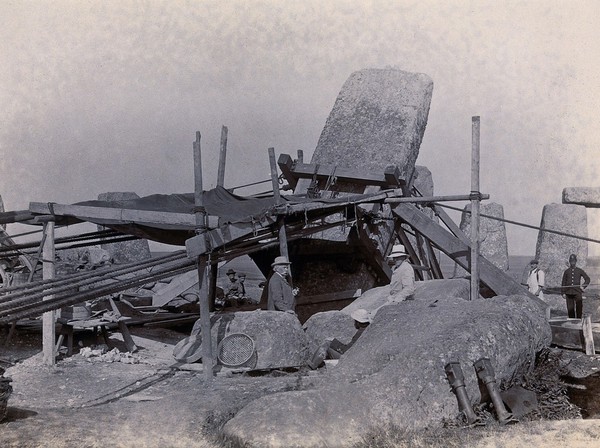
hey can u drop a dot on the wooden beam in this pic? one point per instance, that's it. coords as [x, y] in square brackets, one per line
[15, 216]
[414, 258]
[293, 171]
[496, 279]
[330, 297]
[475, 209]
[99, 214]
[49, 317]
[208, 360]
[588, 335]
[222, 157]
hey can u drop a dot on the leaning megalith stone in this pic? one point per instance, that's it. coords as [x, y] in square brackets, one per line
[394, 373]
[492, 235]
[553, 250]
[125, 251]
[279, 340]
[378, 119]
[586, 196]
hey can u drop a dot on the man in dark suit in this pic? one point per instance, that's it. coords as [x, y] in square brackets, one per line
[572, 288]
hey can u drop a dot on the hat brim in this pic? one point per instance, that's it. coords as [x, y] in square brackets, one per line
[397, 254]
[281, 264]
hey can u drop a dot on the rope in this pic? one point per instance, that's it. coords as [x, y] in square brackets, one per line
[584, 238]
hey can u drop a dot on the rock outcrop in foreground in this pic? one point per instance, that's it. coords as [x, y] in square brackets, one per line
[395, 372]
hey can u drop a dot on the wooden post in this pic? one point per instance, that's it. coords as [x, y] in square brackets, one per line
[48, 318]
[588, 335]
[475, 209]
[274, 176]
[283, 246]
[222, 157]
[300, 156]
[201, 227]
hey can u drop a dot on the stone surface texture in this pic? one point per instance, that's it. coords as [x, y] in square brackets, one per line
[279, 339]
[125, 251]
[492, 235]
[586, 196]
[553, 250]
[378, 119]
[328, 324]
[395, 372]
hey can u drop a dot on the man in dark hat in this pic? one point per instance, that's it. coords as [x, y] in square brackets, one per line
[281, 295]
[232, 288]
[572, 288]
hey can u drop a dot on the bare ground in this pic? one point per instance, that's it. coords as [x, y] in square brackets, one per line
[159, 403]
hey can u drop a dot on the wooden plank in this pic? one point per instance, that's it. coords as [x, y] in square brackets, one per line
[222, 157]
[49, 317]
[330, 297]
[568, 333]
[588, 335]
[178, 285]
[91, 213]
[474, 260]
[496, 279]
[294, 171]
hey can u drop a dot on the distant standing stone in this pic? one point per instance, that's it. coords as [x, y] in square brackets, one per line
[586, 196]
[553, 250]
[492, 235]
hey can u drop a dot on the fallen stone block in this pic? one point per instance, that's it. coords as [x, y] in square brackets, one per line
[394, 373]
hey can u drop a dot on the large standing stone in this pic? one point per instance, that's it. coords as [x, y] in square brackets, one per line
[492, 235]
[378, 119]
[126, 251]
[553, 250]
[586, 196]
[394, 373]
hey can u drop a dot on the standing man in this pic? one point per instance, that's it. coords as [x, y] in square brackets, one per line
[402, 286]
[536, 279]
[572, 287]
[281, 295]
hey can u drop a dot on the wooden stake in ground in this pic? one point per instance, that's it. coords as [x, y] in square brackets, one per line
[588, 335]
[201, 227]
[475, 209]
[48, 318]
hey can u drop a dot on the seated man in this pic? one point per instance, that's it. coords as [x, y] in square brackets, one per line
[334, 348]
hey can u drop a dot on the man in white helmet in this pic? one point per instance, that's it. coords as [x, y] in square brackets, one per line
[402, 286]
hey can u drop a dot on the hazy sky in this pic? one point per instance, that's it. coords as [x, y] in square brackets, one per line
[107, 95]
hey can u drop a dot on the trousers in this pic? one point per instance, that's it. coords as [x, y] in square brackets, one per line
[574, 305]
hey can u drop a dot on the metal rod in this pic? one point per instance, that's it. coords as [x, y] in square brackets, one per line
[529, 226]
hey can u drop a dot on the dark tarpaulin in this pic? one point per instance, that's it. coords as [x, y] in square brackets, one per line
[228, 207]
[219, 202]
